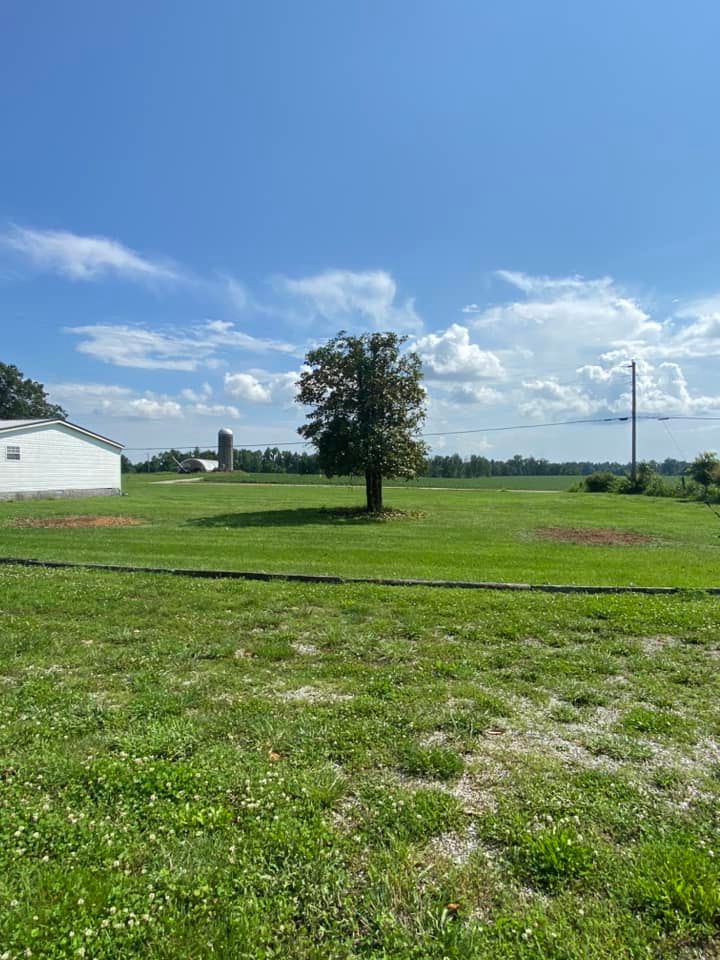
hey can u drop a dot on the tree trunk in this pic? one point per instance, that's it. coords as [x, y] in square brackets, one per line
[373, 490]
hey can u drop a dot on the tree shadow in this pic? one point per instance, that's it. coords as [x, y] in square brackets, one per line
[301, 516]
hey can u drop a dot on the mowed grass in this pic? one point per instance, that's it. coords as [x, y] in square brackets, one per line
[218, 769]
[450, 534]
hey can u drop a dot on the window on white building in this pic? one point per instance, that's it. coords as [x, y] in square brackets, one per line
[12, 453]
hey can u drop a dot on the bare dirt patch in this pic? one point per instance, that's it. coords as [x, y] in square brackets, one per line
[593, 536]
[77, 522]
[314, 695]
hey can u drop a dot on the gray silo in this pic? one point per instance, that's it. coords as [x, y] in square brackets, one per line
[225, 449]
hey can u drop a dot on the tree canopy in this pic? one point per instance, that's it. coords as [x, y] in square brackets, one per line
[367, 404]
[705, 469]
[25, 399]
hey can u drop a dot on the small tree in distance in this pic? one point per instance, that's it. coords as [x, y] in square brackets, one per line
[366, 403]
[705, 469]
[25, 399]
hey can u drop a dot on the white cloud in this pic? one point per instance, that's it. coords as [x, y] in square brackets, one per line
[343, 296]
[570, 315]
[110, 400]
[606, 391]
[222, 333]
[235, 292]
[83, 258]
[548, 397]
[125, 346]
[196, 396]
[553, 286]
[472, 393]
[214, 410]
[451, 355]
[245, 386]
[693, 332]
[202, 345]
[259, 386]
[97, 399]
[152, 409]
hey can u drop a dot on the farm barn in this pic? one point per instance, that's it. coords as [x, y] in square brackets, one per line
[54, 458]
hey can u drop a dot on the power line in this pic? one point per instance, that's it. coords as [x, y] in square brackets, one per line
[524, 426]
[442, 433]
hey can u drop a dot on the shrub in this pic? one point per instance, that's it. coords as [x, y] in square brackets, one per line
[646, 481]
[705, 469]
[600, 482]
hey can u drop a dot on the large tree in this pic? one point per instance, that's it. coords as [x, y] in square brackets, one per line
[25, 399]
[366, 403]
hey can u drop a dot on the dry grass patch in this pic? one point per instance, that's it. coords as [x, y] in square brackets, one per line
[53, 523]
[593, 536]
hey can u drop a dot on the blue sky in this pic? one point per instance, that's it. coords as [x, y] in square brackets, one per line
[193, 194]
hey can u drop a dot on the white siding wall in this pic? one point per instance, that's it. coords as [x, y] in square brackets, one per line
[55, 457]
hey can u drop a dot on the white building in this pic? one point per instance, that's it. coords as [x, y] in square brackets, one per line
[54, 458]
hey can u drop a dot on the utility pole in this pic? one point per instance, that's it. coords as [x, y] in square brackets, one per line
[633, 473]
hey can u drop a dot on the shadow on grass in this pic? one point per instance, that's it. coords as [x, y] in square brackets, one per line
[301, 516]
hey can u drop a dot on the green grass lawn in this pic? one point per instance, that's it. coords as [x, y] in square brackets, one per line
[453, 534]
[216, 769]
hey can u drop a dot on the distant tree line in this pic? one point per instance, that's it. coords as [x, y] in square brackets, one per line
[274, 460]
[519, 466]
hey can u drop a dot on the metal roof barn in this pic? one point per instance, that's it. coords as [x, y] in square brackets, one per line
[197, 465]
[56, 458]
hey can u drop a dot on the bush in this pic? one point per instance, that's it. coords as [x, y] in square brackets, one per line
[648, 482]
[600, 482]
[705, 469]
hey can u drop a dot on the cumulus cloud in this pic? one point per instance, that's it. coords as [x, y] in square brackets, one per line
[567, 342]
[693, 332]
[259, 386]
[606, 391]
[465, 393]
[152, 409]
[83, 257]
[450, 355]
[199, 395]
[245, 386]
[343, 297]
[568, 314]
[548, 397]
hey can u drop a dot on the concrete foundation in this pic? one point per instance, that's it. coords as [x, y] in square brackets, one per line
[61, 494]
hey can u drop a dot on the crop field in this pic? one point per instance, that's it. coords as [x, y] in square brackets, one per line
[447, 534]
[224, 769]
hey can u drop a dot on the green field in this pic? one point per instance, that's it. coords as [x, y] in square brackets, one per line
[457, 483]
[452, 534]
[218, 769]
